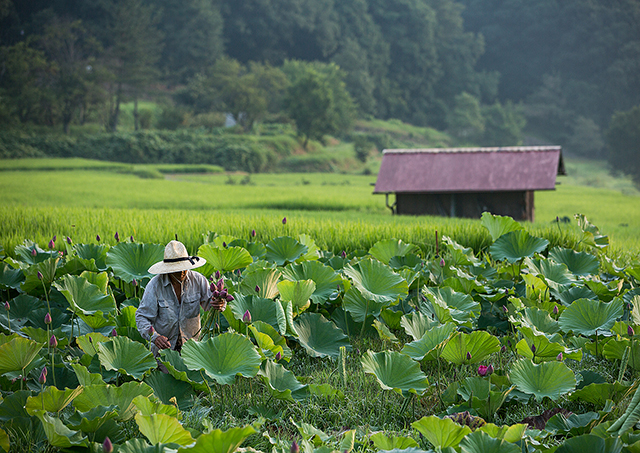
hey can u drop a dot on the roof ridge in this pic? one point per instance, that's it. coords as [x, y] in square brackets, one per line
[473, 149]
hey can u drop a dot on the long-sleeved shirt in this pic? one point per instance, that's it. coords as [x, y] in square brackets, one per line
[159, 308]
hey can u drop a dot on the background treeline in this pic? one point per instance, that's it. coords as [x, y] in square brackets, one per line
[486, 72]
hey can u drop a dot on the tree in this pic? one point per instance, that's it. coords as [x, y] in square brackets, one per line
[503, 125]
[623, 143]
[465, 119]
[317, 100]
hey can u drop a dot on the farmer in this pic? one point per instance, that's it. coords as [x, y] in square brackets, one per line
[169, 313]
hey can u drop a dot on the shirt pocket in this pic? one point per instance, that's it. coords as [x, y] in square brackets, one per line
[166, 318]
[191, 307]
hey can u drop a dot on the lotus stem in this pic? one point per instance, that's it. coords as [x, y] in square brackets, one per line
[623, 362]
[46, 295]
[53, 369]
[366, 313]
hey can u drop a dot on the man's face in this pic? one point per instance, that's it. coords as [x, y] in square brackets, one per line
[180, 275]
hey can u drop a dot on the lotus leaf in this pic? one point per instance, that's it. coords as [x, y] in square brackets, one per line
[383, 442]
[17, 354]
[557, 276]
[264, 280]
[386, 249]
[85, 377]
[392, 318]
[4, 440]
[470, 348]
[95, 252]
[58, 434]
[325, 278]
[131, 260]
[92, 420]
[604, 292]
[395, 371]
[51, 400]
[24, 253]
[140, 446]
[268, 339]
[408, 262]
[325, 391]
[126, 317]
[578, 263]
[548, 379]
[225, 259]
[167, 387]
[261, 309]
[568, 296]
[85, 297]
[223, 357]
[32, 284]
[146, 406]
[359, 306]
[218, 441]
[499, 225]
[462, 307]
[163, 429]
[282, 383]
[590, 233]
[574, 424]
[176, 367]
[546, 348]
[431, 343]
[416, 324]
[76, 266]
[517, 245]
[284, 250]
[459, 255]
[510, 433]
[588, 317]
[376, 281]
[312, 253]
[10, 277]
[319, 337]
[481, 442]
[441, 433]
[590, 443]
[384, 333]
[21, 312]
[297, 292]
[12, 412]
[122, 396]
[126, 356]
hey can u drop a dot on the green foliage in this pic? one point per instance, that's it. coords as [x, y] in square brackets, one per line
[623, 141]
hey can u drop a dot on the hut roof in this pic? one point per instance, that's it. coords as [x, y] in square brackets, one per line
[434, 170]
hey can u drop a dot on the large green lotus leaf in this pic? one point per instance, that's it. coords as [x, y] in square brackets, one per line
[591, 234]
[85, 297]
[10, 277]
[140, 446]
[167, 387]
[312, 253]
[75, 265]
[431, 343]
[297, 292]
[95, 252]
[459, 255]
[51, 400]
[319, 337]
[510, 433]
[218, 441]
[325, 278]
[85, 377]
[546, 348]
[146, 406]
[176, 367]
[265, 310]
[416, 324]
[284, 250]
[163, 429]
[461, 306]
[569, 296]
[89, 342]
[516, 245]
[4, 440]
[282, 383]
[126, 356]
[268, 338]
[395, 371]
[92, 420]
[359, 306]
[223, 357]
[539, 320]
[110, 395]
[383, 442]
[550, 379]
[58, 434]
[441, 432]
[599, 393]
[225, 259]
[33, 284]
[388, 248]
[126, 317]
[578, 263]
[592, 444]
[97, 321]
[499, 225]
[478, 344]
[481, 442]
[587, 316]
[100, 279]
[132, 260]
[556, 275]
[17, 354]
[376, 281]
[265, 280]
[22, 310]
[24, 253]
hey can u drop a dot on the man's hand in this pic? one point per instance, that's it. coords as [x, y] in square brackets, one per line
[162, 342]
[217, 304]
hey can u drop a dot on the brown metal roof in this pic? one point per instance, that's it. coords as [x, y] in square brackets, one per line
[432, 170]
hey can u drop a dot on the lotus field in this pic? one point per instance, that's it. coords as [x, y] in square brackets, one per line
[523, 348]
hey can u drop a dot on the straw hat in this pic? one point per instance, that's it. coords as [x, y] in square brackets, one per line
[176, 259]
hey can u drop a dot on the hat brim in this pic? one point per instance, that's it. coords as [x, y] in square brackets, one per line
[167, 268]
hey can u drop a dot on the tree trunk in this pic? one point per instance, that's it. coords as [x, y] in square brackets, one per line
[113, 118]
[136, 117]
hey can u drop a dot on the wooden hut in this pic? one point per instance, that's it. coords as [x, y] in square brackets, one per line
[465, 182]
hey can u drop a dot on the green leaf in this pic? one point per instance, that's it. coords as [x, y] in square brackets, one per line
[126, 356]
[431, 343]
[460, 256]
[499, 225]
[325, 278]
[590, 233]
[587, 316]
[510, 433]
[176, 367]
[223, 357]
[297, 292]
[95, 252]
[17, 354]
[376, 281]
[516, 245]
[266, 310]
[268, 339]
[86, 378]
[110, 395]
[590, 443]
[319, 337]
[132, 260]
[4, 440]
[578, 263]
[146, 406]
[10, 277]
[282, 383]
[599, 393]
[383, 442]
[89, 342]
[395, 371]
[386, 249]
[548, 379]
[84, 297]
[479, 344]
[218, 441]
[312, 253]
[92, 420]
[163, 429]
[557, 276]
[225, 259]
[58, 434]
[284, 250]
[361, 307]
[265, 279]
[481, 442]
[51, 400]
[441, 433]
[34, 285]
[416, 324]
[462, 308]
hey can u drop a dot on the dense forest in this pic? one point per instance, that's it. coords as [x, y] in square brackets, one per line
[489, 72]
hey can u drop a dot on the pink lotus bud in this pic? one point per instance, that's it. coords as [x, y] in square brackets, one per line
[43, 376]
[468, 356]
[442, 262]
[482, 370]
[343, 254]
[107, 446]
[52, 244]
[630, 331]
[34, 252]
[7, 306]
[134, 282]
[246, 318]
[220, 285]
[215, 294]
[253, 233]
[131, 238]
[217, 275]
[39, 275]
[151, 331]
[294, 447]
[68, 240]
[559, 357]
[229, 298]
[284, 220]
[503, 349]
[555, 309]
[47, 318]
[257, 289]
[504, 309]
[278, 356]
[55, 237]
[98, 237]
[90, 340]
[117, 237]
[533, 348]
[224, 244]
[114, 333]
[53, 342]
[490, 369]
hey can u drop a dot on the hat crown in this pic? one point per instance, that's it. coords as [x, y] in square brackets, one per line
[175, 249]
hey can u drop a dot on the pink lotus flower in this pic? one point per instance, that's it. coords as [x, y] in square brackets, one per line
[468, 356]
[68, 240]
[555, 309]
[278, 356]
[52, 244]
[246, 318]
[43, 376]
[482, 370]
[47, 318]
[257, 289]
[34, 252]
[98, 237]
[7, 306]
[217, 275]
[53, 341]
[114, 333]
[294, 447]
[560, 357]
[343, 254]
[442, 262]
[39, 275]
[107, 446]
